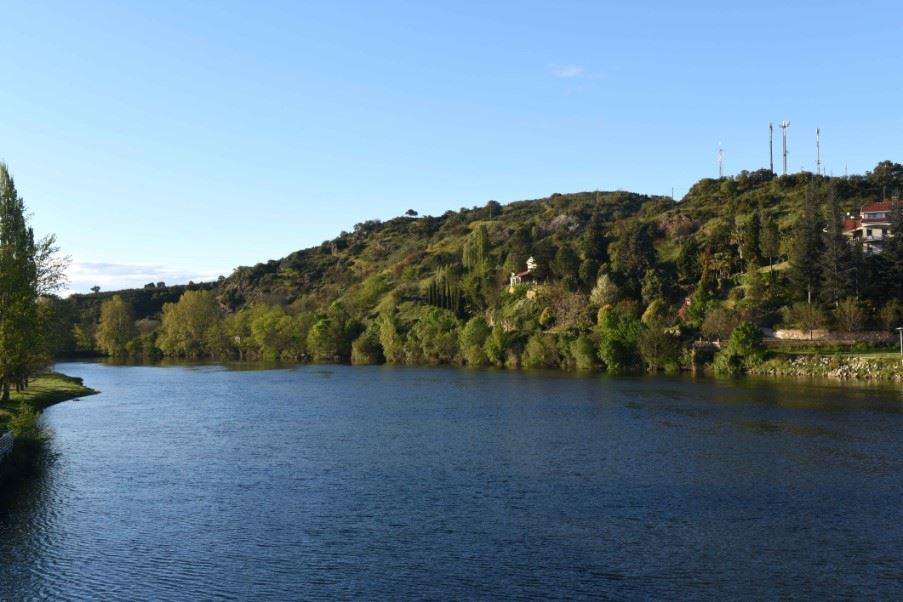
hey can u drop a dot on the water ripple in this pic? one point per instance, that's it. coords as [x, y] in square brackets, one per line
[377, 483]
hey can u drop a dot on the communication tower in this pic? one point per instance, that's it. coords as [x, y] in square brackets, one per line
[784, 126]
[771, 147]
[817, 153]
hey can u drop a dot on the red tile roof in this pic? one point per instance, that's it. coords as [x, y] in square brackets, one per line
[878, 206]
[849, 225]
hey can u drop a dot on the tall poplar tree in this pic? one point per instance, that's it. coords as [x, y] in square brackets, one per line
[20, 345]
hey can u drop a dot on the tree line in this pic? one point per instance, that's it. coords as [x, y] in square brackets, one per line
[30, 269]
[625, 282]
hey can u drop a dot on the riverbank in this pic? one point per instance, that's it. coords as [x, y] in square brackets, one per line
[885, 367]
[44, 391]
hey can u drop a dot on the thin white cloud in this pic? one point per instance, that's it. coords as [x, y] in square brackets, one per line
[114, 276]
[568, 71]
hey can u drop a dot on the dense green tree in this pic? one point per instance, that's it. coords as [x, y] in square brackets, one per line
[433, 339]
[619, 332]
[183, 331]
[659, 346]
[390, 340]
[117, 326]
[326, 340]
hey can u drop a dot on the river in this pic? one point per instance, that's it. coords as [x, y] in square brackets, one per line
[338, 482]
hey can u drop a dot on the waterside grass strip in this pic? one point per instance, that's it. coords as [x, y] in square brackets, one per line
[43, 391]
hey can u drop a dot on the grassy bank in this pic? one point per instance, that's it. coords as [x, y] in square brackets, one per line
[842, 366]
[20, 415]
[44, 391]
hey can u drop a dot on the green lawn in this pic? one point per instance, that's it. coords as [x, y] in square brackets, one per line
[46, 390]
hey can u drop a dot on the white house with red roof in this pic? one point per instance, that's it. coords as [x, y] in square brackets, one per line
[872, 226]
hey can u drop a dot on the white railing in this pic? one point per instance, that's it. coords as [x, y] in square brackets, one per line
[6, 443]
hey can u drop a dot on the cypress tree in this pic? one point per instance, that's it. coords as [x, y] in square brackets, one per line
[837, 261]
[769, 239]
[808, 245]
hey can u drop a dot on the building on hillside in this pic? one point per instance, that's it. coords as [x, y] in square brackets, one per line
[871, 227]
[525, 277]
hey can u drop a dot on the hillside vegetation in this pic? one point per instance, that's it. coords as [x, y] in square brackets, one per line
[623, 281]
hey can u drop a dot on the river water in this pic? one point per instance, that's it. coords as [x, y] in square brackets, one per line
[337, 482]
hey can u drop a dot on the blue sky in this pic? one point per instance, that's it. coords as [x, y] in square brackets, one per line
[177, 140]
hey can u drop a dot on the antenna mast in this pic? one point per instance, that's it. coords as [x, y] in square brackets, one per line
[784, 126]
[817, 153]
[771, 147]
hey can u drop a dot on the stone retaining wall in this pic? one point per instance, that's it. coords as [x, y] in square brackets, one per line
[866, 336]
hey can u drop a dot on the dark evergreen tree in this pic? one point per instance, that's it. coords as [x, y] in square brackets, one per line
[750, 240]
[595, 245]
[769, 239]
[892, 254]
[837, 261]
[566, 265]
[808, 245]
[633, 254]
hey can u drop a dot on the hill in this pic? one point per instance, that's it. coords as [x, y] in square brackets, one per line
[394, 290]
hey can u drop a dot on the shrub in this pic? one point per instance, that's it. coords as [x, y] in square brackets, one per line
[719, 323]
[541, 351]
[849, 315]
[496, 345]
[620, 332]
[806, 316]
[473, 338]
[584, 353]
[366, 348]
[744, 350]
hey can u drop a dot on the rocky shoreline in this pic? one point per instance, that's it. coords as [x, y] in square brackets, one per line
[834, 367]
